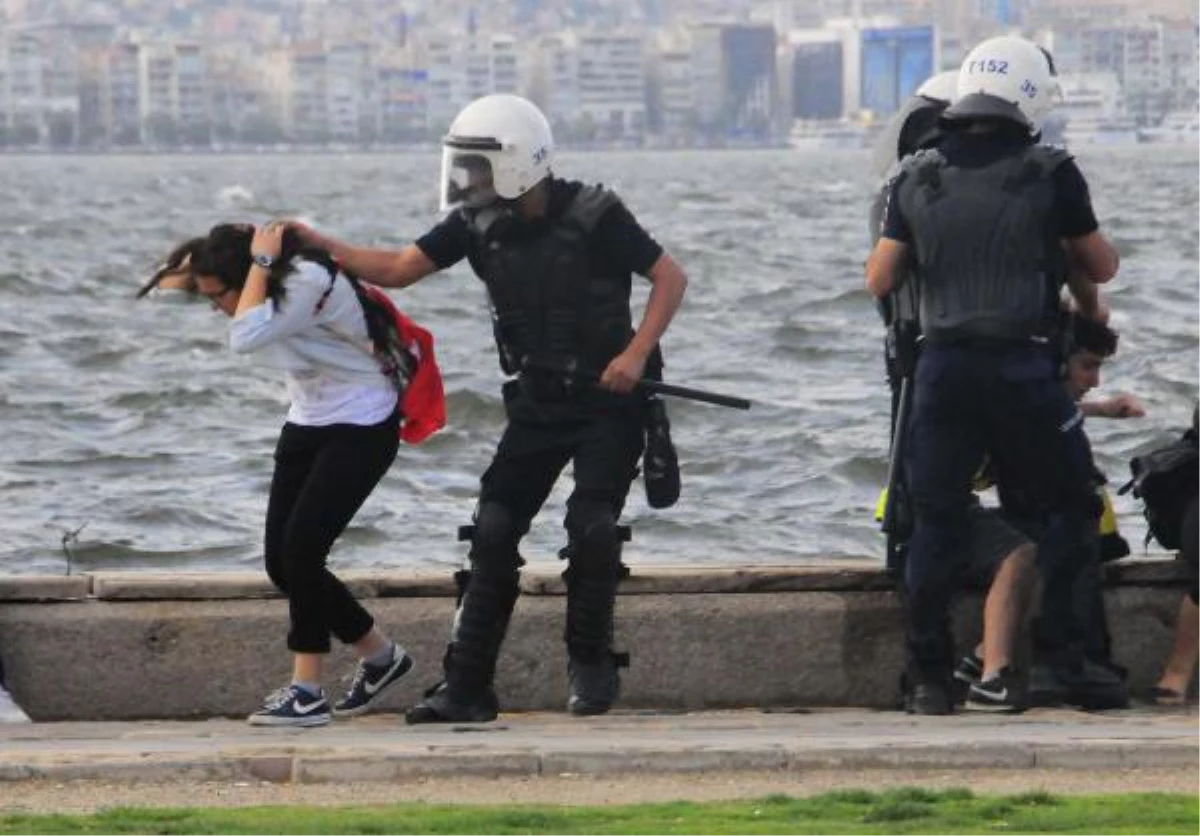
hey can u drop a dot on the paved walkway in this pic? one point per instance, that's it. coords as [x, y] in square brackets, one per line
[382, 748]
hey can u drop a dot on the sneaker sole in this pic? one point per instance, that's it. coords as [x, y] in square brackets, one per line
[992, 708]
[347, 713]
[580, 709]
[295, 722]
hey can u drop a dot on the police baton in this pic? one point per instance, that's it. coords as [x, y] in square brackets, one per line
[571, 370]
[899, 435]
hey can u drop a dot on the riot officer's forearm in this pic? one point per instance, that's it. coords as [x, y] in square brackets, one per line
[669, 285]
[883, 266]
[1087, 296]
[386, 268]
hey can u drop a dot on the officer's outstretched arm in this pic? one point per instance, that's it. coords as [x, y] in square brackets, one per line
[1094, 256]
[386, 268]
[883, 266]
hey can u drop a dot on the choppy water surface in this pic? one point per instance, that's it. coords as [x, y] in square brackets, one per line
[135, 423]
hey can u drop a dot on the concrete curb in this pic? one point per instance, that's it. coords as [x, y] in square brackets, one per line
[314, 768]
[379, 749]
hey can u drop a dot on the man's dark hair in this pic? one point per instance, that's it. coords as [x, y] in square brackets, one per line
[1090, 335]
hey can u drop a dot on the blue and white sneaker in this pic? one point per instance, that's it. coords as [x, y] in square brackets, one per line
[370, 681]
[292, 706]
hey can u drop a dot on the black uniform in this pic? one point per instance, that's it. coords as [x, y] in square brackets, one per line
[559, 288]
[984, 215]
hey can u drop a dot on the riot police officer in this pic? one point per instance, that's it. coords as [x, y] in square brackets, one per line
[994, 225]
[557, 259]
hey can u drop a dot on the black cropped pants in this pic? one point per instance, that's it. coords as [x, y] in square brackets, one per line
[322, 477]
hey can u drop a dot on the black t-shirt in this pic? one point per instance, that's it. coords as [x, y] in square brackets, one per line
[1073, 213]
[619, 245]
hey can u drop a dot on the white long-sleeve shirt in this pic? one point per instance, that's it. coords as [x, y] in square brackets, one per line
[325, 354]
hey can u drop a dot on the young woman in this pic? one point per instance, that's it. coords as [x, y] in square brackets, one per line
[343, 366]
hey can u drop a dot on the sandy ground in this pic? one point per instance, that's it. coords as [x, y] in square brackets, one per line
[48, 797]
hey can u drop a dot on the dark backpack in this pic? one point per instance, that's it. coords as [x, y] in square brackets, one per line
[1166, 481]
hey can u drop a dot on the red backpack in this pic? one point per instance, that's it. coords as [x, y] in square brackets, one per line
[422, 398]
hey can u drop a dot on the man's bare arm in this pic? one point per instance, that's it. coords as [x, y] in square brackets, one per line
[1093, 256]
[1086, 294]
[883, 266]
[669, 283]
[386, 268]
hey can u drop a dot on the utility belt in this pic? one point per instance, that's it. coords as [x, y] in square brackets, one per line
[550, 398]
[546, 386]
[566, 381]
[991, 343]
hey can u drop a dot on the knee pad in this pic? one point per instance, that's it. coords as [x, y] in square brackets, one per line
[595, 546]
[494, 526]
[593, 527]
[494, 537]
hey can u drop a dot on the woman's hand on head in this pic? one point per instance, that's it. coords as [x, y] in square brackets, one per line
[268, 239]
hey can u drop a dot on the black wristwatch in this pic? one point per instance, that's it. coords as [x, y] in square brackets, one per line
[263, 260]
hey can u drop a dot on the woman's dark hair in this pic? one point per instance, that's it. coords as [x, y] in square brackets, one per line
[174, 264]
[224, 254]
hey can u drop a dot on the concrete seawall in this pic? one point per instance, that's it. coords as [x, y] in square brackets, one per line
[109, 646]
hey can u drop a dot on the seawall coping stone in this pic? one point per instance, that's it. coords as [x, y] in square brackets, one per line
[828, 576]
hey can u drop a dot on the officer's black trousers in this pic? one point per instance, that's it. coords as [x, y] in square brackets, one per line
[604, 449]
[971, 401]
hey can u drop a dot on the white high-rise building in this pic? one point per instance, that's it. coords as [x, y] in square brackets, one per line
[351, 90]
[677, 92]
[193, 107]
[612, 84]
[555, 82]
[448, 90]
[403, 86]
[122, 96]
[308, 114]
[173, 91]
[26, 59]
[465, 67]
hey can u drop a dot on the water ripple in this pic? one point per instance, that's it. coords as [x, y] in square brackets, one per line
[136, 423]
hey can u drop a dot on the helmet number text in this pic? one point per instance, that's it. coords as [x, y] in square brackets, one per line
[988, 65]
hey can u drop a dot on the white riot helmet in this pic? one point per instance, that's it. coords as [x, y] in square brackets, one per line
[942, 88]
[1008, 78]
[914, 123]
[498, 146]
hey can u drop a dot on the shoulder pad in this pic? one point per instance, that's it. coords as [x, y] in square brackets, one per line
[1052, 155]
[924, 157]
[911, 163]
[590, 205]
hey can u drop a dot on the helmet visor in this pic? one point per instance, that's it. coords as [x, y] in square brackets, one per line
[467, 181]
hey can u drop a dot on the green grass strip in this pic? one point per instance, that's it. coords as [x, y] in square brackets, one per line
[910, 810]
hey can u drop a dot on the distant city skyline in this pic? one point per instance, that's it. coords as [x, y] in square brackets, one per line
[116, 73]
